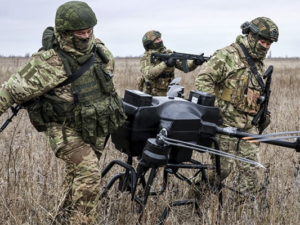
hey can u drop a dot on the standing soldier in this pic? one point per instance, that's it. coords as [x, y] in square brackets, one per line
[157, 76]
[237, 86]
[70, 95]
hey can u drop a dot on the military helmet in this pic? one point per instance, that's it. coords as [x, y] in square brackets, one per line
[150, 37]
[74, 15]
[263, 27]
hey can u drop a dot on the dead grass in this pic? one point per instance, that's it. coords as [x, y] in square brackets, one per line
[31, 176]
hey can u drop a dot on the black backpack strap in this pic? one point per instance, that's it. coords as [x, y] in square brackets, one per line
[80, 71]
[253, 68]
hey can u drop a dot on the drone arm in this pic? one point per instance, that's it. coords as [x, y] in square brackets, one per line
[234, 132]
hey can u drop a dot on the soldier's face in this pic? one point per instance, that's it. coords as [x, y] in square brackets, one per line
[157, 40]
[265, 43]
[83, 33]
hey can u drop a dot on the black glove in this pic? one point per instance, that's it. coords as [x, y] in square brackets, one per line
[170, 62]
[199, 61]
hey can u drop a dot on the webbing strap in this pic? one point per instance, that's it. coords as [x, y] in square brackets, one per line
[80, 71]
[253, 67]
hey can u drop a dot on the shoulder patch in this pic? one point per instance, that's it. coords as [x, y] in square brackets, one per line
[231, 49]
[27, 71]
[48, 54]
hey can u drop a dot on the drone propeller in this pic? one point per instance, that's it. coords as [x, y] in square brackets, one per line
[175, 81]
[175, 88]
[269, 135]
[271, 139]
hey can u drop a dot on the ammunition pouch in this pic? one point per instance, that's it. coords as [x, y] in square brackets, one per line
[97, 110]
[98, 120]
[106, 83]
[243, 100]
[34, 109]
[47, 109]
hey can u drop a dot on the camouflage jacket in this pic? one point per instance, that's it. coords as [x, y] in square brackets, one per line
[228, 76]
[42, 73]
[157, 76]
[45, 70]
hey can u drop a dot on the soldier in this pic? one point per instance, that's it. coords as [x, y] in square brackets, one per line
[157, 77]
[228, 76]
[70, 95]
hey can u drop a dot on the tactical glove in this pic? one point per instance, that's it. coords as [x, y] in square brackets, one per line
[170, 62]
[265, 124]
[198, 62]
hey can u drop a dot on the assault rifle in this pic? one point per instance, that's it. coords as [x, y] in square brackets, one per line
[15, 110]
[263, 100]
[183, 57]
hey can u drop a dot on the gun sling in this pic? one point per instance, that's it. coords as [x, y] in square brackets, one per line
[253, 67]
[80, 71]
[226, 92]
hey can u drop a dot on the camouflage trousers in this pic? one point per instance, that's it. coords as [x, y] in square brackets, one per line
[247, 174]
[82, 178]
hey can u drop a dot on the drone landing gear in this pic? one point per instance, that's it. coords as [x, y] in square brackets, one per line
[128, 181]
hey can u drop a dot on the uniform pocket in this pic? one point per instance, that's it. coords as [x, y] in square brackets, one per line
[78, 120]
[35, 115]
[105, 79]
[117, 115]
[252, 97]
[89, 122]
[102, 128]
[48, 112]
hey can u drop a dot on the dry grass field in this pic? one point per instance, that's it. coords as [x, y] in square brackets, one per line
[31, 177]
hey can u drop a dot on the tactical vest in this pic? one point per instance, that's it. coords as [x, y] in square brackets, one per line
[159, 86]
[97, 110]
[244, 97]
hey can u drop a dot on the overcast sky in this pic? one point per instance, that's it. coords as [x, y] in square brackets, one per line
[190, 26]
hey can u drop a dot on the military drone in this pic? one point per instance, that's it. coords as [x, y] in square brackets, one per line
[164, 132]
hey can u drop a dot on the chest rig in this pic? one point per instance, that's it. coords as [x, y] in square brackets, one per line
[96, 111]
[242, 89]
[159, 85]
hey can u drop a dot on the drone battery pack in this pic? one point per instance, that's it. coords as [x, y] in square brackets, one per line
[202, 98]
[137, 98]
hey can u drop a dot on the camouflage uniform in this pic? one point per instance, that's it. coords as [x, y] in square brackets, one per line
[157, 76]
[228, 76]
[76, 130]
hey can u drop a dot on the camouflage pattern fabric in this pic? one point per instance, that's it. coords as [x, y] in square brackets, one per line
[82, 179]
[67, 41]
[247, 174]
[267, 28]
[154, 84]
[256, 50]
[74, 15]
[42, 73]
[228, 76]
